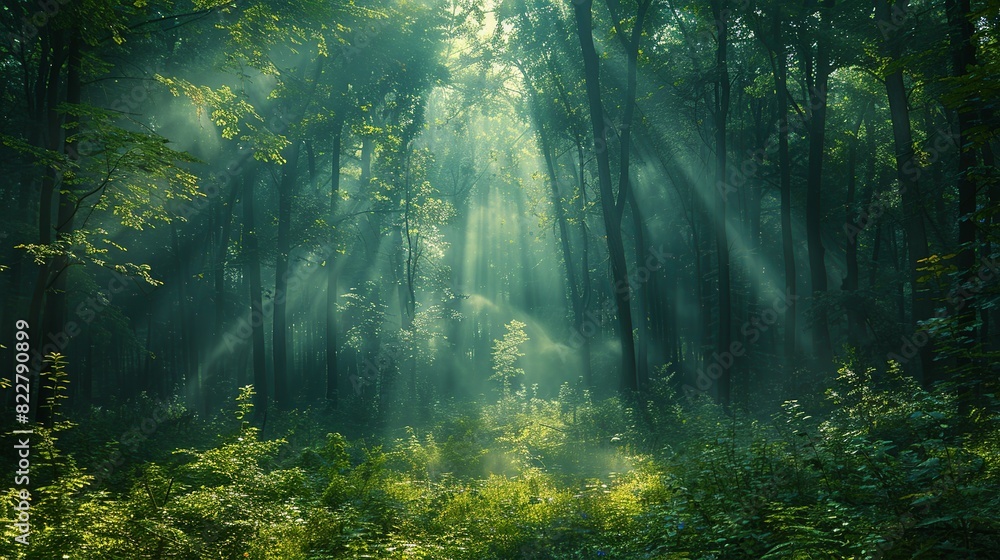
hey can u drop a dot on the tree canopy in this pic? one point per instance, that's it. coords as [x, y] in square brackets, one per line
[474, 272]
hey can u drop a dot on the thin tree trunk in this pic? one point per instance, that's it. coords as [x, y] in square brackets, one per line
[332, 372]
[722, 87]
[908, 173]
[963, 55]
[625, 192]
[989, 315]
[222, 253]
[43, 310]
[575, 297]
[186, 316]
[850, 282]
[251, 255]
[641, 291]
[279, 334]
[586, 290]
[407, 291]
[876, 256]
[822, 345]
[612, 221]
[527, 285]
[785, 179]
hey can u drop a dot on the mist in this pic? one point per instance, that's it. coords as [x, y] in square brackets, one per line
[481, 279]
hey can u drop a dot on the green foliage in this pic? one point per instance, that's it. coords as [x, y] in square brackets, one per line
[889, 471]
[506, 351]
[235, 117]
[887, 474]
[56, 382]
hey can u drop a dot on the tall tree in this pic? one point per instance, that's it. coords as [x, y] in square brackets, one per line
[583, 12]
[907, 171]
[785, 179]
[722, 92]
[963, 55]
[251, 269]
[631, 44]
[818, 82]
[332, 273]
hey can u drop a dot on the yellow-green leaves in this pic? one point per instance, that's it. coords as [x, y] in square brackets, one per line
[506, 352]
[236, 118]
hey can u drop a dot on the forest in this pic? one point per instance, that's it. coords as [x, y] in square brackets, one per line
[499, 279]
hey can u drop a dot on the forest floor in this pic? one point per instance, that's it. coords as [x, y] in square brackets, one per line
[871, 470]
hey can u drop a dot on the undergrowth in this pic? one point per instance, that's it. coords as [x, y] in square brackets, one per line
[882, 470]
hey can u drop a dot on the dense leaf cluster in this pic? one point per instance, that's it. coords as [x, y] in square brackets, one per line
[893, 472]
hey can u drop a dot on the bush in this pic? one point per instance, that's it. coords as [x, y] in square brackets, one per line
[891, 470]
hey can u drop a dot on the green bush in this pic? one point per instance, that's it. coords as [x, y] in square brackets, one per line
[881, 469]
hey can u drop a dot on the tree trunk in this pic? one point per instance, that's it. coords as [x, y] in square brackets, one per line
[612, 220]
[850, 282]
[586, 289]
[407, 293]
[279, 334]
[43, 310]
[722, 87]
[332, 373]
[575, 297]
[185, 317]
[785, 180]
[963, 55]
[989, 315]
[814, 188]
[908, 172]
[641, 291]
[222, 253]
[251, 254]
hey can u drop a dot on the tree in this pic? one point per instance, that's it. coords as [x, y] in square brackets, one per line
[818, 78]
[612, 208]
[722, 87]
[907, 172]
